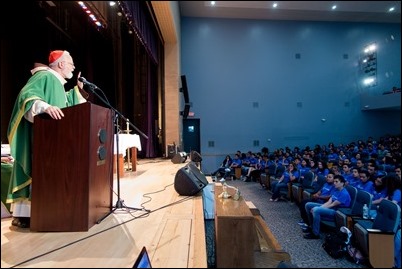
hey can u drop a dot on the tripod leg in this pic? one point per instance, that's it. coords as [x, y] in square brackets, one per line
[107, 215]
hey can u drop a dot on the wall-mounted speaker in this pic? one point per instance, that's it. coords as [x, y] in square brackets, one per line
[195, 156]
[179, 157]
[189, 180]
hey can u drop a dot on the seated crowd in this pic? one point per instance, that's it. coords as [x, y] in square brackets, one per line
[372, 166]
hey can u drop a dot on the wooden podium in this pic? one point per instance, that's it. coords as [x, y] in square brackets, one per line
[72, 174]
[235, 232]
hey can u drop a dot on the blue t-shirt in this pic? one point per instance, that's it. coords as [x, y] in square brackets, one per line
[236, 161]
[320, 172]
[367, 186]
[379, 194]
[396, 196]
[286, 176]
[342, 196]
[353, 181]
[327, 189]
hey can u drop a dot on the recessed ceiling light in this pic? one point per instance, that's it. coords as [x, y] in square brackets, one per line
[274, 5]
[391, 9]
[333, 7]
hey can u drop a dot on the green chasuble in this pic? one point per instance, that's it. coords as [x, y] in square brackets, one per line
[45, 86]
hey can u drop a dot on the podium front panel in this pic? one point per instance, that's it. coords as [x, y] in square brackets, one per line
[72, 172]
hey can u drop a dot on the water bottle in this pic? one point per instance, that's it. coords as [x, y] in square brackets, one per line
[365, 212]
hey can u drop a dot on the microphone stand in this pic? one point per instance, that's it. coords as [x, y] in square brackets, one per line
[119, 202]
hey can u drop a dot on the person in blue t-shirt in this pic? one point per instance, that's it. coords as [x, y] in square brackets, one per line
[290, 175]
[316, 211]
[322, 169]
[379, 193]
[354, 179]
[393, 186]
[236, 162]
[321, 197]
[365, 184]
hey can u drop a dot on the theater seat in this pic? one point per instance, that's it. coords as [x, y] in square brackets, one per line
[343, 216]
[375, 238]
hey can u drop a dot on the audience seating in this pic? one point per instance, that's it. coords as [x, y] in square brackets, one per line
[365, 232]
[237, 172]
[271, 172]
[375, 238]
[344, 216]
[315, 187]
[305, 183]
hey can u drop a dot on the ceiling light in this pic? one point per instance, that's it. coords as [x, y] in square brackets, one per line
[274, 5]
[369, 81]
[391, 9]
[333, 7]
[94, 17]
[370, 48]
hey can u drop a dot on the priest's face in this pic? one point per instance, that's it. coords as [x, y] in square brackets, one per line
[68, 67]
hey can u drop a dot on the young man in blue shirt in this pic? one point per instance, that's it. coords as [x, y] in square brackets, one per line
[315, 211]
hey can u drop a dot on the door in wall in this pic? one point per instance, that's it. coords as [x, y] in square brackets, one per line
[191, 135]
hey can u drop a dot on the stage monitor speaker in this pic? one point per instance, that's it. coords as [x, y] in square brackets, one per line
[171, 150]
[179, 157]
[195, 156]
[189, 180]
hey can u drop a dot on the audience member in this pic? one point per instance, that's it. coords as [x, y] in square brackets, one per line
[379, 192]
[291, 174]
[393, 188]
[316, 211]
[365, 183]
[321, 197]
[236, 163]
[225, 164]
[354, 179]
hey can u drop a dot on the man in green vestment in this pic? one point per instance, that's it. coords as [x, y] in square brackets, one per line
[43, 93]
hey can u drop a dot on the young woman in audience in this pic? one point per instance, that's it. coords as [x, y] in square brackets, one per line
[380, 191]
[322, 169]
[290, 175]
[225, 164]
[393, 186]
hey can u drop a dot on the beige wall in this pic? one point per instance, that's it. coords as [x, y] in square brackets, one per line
[168, 17]
[172, 113]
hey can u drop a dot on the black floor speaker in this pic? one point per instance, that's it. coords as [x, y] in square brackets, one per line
[189, 180]
[179, 157]
[195, 156]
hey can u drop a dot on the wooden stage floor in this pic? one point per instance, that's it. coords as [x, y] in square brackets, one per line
[173, 232]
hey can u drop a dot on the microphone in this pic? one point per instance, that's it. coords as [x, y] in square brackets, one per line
[86, 82]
